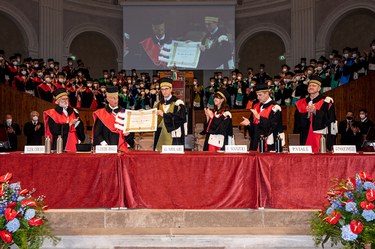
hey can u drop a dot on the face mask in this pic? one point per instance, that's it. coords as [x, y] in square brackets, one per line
[23, 72]
[1, 58]
[225, 82]
[331, 56]
[239, 78]
[35, 118]
[15, 63]
[219, 76]
[354, 55]
[319, 69]
[70, 63]
[373, 47]
[349, 118]
[195, 83]
[57, 68]
[313, 64]
[79, 74]
[102, 89]
[114, 83]
[52, 75]
[285, 70]
[112, 73]
[9, 121]
[61, 80]
[286, 80]
[48, 80]
[36, 65]
[362, 116]
[261, 70]
[335, 62]
[40, 75]
[303, 64]
[324, 66]
[298, 78]
[51, 65]
[124, 90]
[89, 85]
[252, 84]
[309, 72]
[18, 60]
[212, 83]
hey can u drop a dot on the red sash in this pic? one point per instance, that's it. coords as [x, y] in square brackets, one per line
[265, 113]
[109, 121]
[153, 51]
[313, 138]
[62, 119]
[210, 146]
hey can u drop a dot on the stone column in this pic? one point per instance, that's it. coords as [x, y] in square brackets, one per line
[302, 30]
[51, 29]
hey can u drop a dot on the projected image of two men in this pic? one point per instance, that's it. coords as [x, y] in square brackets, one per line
[184, 37]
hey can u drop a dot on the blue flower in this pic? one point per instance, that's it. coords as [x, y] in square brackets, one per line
[358, 183]
[347, 234]
[368, 185]
[349, 195]
[351, 207]
[329, 210]
[15, 186]
[369, 215]
[12, 225]
[336, 204]
[20, 198]
[30, 213]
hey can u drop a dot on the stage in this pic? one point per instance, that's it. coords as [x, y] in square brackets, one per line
[194, 180]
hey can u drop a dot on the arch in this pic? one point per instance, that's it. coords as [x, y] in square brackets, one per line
[325, 31]
[91, 27]
[265, 27]
[26, 28]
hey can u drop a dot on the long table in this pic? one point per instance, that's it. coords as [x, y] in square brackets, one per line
[194, 180]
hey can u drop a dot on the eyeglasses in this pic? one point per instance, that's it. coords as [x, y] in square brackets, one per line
[165, 89]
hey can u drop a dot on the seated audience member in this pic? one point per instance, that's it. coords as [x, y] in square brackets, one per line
[34, 130]
[12, 130]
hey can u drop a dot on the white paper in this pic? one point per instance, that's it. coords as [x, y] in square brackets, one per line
[184, 54]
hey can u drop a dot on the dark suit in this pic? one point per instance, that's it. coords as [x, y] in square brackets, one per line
[12, 136]
[34, 137]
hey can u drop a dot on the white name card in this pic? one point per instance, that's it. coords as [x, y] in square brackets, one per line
[34, 149]
[236, 149]
[106, 149]
[300, 149]
[172, 149]
[346, 149]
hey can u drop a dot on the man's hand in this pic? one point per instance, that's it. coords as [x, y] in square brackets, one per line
[73, 121]
[160, 113]
[255, 113]
[245, 121]
[37, 127]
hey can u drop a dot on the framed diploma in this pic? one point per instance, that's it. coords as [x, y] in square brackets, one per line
[184, 54]
[140, 120]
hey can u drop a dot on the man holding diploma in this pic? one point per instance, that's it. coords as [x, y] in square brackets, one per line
[171, 118]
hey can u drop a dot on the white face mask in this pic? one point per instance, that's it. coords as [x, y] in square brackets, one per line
[48, 80]
[335, 62]
[40, 74]
[35, 118]
[297, 78]
[15, 63]
[61, 80]
[346, 56]
[70, 63]
[362, 116]
[79, 74]
[373, 47]
[23, 72]
[9, 121]
[89, 85]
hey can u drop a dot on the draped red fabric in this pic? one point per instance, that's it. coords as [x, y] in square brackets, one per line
[302, 181]
[190, 181]
[68, 180]
[194, 180]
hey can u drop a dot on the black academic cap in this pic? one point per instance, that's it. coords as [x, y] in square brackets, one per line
[59, 92]
[165, 82]
[263, 87]
[314, 79]
[112, 89]
[223, 93]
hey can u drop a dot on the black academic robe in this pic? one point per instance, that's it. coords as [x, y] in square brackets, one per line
[34, 137]
[221, 124]
[324, 117]
[269, 124]
[102, 133]
[172, 120]
[58, 129]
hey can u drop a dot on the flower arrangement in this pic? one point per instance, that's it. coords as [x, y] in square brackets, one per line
[21, 217]
[349, 218]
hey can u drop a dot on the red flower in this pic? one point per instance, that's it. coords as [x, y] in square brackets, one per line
[370, 195]
[6, 236]
[333, 217]
[366, 176]
[5, 177]
[367, 205]
[356, 226]
[36, 222]
[28, 202]
[23, 192]
[12, 205]
[1, 190]
[10, 214]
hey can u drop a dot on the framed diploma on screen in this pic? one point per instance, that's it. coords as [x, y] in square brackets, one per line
[184, 54]
[141, 120]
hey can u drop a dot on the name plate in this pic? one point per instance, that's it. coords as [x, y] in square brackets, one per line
[34, 149]
[236, 149]
[106, 149]
[346, 149]
[172, 149]
[300, 149]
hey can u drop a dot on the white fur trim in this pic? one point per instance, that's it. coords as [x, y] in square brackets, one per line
[276, 108]
[328, 100]
[223, 38]
[75, 110]
[227, 114]
[179, 102]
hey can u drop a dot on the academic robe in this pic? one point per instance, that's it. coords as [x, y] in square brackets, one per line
[268, 125]
[104, 129]
[311, 128]
[220, 124]
[171, 129]
[57, 123]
